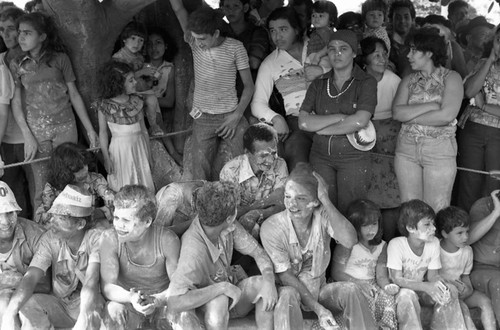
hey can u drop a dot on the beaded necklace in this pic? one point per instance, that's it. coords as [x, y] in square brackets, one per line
[339, 94]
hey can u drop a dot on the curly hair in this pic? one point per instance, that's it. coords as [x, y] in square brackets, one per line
[170, 46]
[371, 5]
[402, 4]
[364, 212]
[411, 213]
[112, 78]
[427, 39]
[216, 201]
[290, 15]
[138, 197]
[206, 20]
[449, 218]
[66, 159]
[258, 132]
[323, 6]
[44, 24]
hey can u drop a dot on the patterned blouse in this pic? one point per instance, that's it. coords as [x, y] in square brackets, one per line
[121, 113]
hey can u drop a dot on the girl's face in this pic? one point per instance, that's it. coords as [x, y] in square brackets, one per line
[340, 54]
[81, 174]
[134, 43]
[320, 20]
[234, 10]
[368, 232]
[156, 47]
[377, 61]
[29, 39]
[8, 33]
[282, 34]
[418, 59]
[374, 18]
[299, 202]
[130, 83]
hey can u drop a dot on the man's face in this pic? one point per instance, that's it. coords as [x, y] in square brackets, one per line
[206, 41]
[459, 15]
[8, 222]
[8, 32]
[402, 20]
[128, 226]
[263, 156]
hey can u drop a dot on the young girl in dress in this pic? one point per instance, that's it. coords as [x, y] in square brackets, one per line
[120, 110]
[365, 264]
[45, 94]
[69, 164]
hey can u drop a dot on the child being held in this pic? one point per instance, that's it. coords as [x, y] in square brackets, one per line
[323, 18]
[452, 225]
[373, 13]
[414, 262]
[133, 37]
[365, 264]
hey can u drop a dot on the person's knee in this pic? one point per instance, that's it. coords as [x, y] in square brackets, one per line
[494, 287]
[288, 295]
[406, 296]
[217, 312]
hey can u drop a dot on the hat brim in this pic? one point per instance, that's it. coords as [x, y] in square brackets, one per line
[9, 207]
[370, 129]
[71, 210]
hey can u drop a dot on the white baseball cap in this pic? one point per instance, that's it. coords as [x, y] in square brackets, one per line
[72, 201]
[8, 201]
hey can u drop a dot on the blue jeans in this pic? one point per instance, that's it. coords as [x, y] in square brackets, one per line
[206, 144]
[426, 168]
[345, 169]
[479, 149]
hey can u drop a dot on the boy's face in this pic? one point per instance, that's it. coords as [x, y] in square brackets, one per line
[206, 41]
[128, 226]
[8, 222]
[424, 231]
[299, 203]
[8, 32]
[320, 20]
[283, 35]
[457, 237]
[64, 226]
[374, 18]
[134, 43]
[234, 10]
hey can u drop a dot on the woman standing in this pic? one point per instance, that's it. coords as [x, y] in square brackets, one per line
[427, 103]
[336, 104]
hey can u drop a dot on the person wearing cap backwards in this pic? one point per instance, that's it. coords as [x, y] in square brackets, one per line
[19, 239]
[338, 103]
[71, 248]
[138, 260]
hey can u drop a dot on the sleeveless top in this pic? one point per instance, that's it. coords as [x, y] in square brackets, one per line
[149, 279]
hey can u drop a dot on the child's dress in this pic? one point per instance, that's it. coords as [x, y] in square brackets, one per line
[129, 146]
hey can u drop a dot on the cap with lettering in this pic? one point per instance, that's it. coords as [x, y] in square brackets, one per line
[72, 201]
[8, 201]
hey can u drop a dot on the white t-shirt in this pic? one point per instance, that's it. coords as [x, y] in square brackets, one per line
[362, 262]
[401, 257]
[386, 90]
[455, 264]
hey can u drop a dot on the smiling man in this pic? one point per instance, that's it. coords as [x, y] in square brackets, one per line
[139, 259]
[261, 176]
[70, 247]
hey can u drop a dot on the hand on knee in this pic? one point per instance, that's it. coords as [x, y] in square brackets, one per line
[116, 313]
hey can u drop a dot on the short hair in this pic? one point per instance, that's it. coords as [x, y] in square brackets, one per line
[427, 39]
[139, 197]
[302, 174]
[456, 5]
[369, 45]
[348, 17]
[216, 201]
[289, 14]
[363, 212]
[12, 13]
[112, 78]
[436, 19]
[258, 132]
[411, 213]
[371, 5]
[402, 4]
[206, 20]
[449, 218]
[324, 6]
[133, 29]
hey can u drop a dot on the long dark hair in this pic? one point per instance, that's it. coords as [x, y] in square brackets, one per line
[65, 160]
[363, 212]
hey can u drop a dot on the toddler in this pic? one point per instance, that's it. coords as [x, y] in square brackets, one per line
[373, 13]
[323, 18]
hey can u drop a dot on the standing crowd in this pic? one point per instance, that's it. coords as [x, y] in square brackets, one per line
[320, 177]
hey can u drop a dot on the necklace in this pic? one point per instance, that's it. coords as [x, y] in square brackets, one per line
[339, 94]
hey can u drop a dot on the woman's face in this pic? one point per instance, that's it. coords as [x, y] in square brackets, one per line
[341, 54]
[418, 59]
[29, 38]
[376, 62]
[234, 10]
[156, 47]
[282, 34]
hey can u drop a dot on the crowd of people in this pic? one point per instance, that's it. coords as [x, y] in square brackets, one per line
[320, 177]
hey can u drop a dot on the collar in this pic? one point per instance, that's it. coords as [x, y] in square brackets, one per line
[212, 249]
[316, 224]
[435, 75]
[246, 171]
[357, 73]
[28, 57]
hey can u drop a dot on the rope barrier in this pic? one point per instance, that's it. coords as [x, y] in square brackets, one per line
[43, 159]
